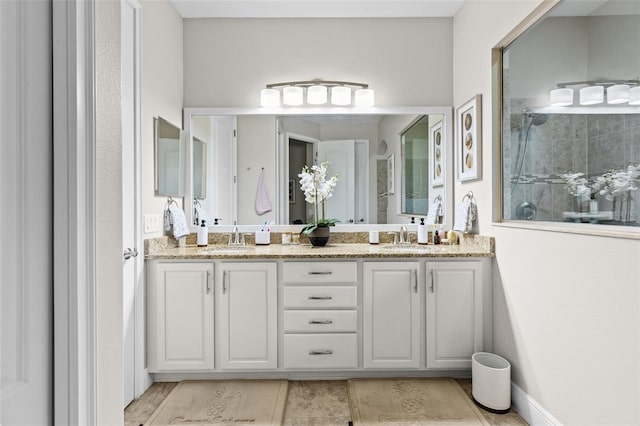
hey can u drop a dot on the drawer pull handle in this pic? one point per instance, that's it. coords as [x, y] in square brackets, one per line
[320, 322]
[320, 297]
[321, 352]
[320, 272]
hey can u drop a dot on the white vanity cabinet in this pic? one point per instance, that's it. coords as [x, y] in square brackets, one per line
[455, 312]
[180, 317]
[247, 320]
[320, 317]
[391, 315]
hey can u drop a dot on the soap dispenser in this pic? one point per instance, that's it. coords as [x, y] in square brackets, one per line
[203, 235]
[422, 232]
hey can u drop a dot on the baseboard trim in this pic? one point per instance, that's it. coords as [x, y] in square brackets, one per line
[529, 409]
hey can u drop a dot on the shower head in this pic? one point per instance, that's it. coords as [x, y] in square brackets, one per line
[536, 119]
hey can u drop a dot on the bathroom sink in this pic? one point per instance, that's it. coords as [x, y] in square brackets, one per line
[412, 248]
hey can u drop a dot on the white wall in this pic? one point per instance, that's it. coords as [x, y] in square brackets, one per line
[566, 307]
[109, 326]
[228, 61]
[161, 89]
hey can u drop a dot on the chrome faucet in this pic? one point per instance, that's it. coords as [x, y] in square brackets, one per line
[235, 239]
[404, 237]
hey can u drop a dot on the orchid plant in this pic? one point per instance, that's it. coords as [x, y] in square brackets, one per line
[613, 185]
[316, 188]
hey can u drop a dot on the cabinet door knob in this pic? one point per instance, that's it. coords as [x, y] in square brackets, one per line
[320, 297]
[320, 272]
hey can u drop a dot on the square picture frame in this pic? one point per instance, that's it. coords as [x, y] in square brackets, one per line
[437, 155]
[391, 185]
[469, 139]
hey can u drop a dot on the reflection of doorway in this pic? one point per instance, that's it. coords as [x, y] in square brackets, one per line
[300, 154]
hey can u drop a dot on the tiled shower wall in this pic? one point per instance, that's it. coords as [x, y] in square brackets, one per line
[592, 144]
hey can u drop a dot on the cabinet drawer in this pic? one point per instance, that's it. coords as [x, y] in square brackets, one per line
[320, 272]
[320, 321]
[321, 297]
[320, 351]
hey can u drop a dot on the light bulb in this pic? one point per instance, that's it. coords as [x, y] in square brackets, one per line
[561, 97]
[269, 98]
[317, 95]
[340, 95]
[292, 95]
[364, 98]
[591, 95]
[618, 94]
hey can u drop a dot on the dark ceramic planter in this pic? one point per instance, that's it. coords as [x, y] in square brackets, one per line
[319, 237]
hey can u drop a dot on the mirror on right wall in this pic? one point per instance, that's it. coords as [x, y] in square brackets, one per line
[569, 126]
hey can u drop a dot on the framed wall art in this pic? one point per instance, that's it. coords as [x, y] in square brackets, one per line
[468, 139]
[391, 186]
[437, 154]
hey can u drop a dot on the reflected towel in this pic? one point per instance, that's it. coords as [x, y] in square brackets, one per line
[432, 214]
[202, 214]
[263, 204]
[179, 222]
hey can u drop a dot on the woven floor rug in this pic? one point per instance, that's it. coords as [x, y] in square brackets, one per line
[223, 402]
[411, 402]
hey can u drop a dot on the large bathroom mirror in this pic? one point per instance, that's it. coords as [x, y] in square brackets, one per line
[169, 150]
[568, 88]
[252, 153]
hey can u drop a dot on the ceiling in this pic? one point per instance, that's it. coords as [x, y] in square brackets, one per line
[316, 8]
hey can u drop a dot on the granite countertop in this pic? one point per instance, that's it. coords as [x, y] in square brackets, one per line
[306, 251]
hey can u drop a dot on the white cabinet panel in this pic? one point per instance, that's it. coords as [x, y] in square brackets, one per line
[180, 317]
[247, 303]
[454, 313]
[391, 311]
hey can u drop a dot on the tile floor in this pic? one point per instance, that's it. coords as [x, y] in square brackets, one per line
[309, 403]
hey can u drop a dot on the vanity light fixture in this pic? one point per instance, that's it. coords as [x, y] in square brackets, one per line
[317, 93]
[593, 92]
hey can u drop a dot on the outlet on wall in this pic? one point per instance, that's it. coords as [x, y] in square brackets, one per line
[151, 223]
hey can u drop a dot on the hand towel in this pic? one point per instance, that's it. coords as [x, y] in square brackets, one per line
[263, 204]
[465, 215]
[179, 222]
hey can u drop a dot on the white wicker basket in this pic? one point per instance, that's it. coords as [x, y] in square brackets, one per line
[491, 381]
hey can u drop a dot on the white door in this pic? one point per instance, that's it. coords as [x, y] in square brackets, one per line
[132, 264]
[454, 313]
[247, 306]
[26, 216]
[341, 157]
[180, 317]
[391, 321]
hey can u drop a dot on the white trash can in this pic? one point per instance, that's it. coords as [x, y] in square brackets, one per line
[491, 382]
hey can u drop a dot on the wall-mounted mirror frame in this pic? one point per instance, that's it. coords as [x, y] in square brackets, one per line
[280, 198]
[169, 158]
[524, 116]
